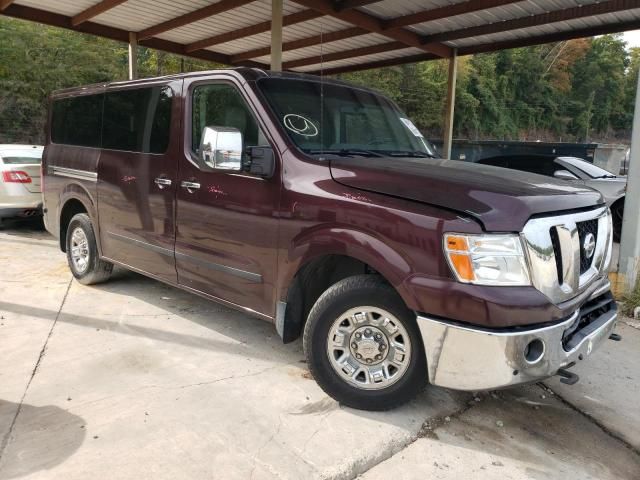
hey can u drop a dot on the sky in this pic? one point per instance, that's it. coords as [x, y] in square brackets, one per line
[632, 38]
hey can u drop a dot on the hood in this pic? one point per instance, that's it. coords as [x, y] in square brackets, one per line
[501, 199]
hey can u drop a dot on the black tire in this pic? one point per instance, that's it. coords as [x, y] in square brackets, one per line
[617, 212]
[354, 292]
[96, 270]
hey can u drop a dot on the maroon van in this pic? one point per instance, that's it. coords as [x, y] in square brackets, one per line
[320, 207]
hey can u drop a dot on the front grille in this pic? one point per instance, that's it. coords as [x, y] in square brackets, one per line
[584, 229]
[555, 241]
[560, 268]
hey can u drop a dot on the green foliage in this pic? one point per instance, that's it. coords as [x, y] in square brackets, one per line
[36, 60]
[630, 301]
[580, 90]
[576, 90]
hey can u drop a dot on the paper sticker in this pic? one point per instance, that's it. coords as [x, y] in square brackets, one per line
[409, 124]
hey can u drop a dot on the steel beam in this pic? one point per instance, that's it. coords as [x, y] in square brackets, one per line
[496, 46]
[276, 35]
[118, 34]
[302, 43]
[450, 104]
[376, 25]
[94, 11]
[291, 19]
[445, 12]
[4, 4]
[629, 262]
[353, 53]
[591, 10]
[133, 56]
[191, 17]
[347, 4]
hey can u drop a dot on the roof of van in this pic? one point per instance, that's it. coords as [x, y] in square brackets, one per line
[247, 73]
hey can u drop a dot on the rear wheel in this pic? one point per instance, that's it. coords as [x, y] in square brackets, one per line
[82, 252]
[617, 211]
[363, 345]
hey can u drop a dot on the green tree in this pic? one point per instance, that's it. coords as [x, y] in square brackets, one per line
[598, 88]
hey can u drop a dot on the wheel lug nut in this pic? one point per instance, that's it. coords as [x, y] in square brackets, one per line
[378, 336]
[358, 335]
[358, 355]
[368, 360]
[378, 357]
[383, 346]
[367, 332]
[354, 345]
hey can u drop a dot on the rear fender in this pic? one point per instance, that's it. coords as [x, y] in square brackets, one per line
[77, 191]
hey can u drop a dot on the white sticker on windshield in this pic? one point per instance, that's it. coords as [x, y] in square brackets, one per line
[300, 125]
[409, 124]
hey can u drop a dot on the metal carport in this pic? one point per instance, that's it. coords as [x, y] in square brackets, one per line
[333, 36]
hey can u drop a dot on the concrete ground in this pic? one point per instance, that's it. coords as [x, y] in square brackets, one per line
[135, 379]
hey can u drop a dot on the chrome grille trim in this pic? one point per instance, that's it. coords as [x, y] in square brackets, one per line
[536, 237]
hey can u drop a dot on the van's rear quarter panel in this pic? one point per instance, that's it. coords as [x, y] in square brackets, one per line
[59, 189]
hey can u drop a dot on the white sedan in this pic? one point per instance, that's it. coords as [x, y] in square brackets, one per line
[20, 190]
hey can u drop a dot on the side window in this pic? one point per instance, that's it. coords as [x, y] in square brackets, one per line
[77, 120]
[221, 105]
[137, 120]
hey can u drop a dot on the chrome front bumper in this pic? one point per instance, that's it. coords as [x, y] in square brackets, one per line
[464, 358]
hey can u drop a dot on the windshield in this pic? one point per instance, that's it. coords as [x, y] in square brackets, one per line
[27, 156]
[326, 118]
[588, 168]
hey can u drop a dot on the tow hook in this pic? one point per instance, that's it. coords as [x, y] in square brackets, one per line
[615, 337]
[568, 378]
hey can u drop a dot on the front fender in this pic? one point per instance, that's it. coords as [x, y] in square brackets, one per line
[361, 245]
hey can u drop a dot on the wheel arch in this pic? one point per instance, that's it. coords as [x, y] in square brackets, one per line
[75, 200]
[322, 258]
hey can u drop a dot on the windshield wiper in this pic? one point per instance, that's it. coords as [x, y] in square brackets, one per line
[410, 153]
[347, 152]
[607, 176]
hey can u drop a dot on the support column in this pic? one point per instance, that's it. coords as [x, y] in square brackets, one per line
[450, 105]
[276, 35]
[133, 55]
[630, 241]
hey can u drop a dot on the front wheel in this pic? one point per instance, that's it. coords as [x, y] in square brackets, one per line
[82, 252]
[363, 345]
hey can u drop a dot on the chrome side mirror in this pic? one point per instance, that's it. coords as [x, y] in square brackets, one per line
[564, 175]
[221, 148]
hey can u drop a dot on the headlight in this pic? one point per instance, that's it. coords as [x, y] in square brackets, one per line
[493, 259]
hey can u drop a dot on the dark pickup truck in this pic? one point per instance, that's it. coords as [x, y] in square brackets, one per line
[319, 206]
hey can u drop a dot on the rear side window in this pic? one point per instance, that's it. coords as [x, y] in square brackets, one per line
[137, 120]
[77, 120]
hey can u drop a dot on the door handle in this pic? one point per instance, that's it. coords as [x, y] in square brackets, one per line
[190, 186]
[162, 182]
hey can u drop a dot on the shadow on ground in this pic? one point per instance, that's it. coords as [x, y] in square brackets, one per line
[52, 435]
